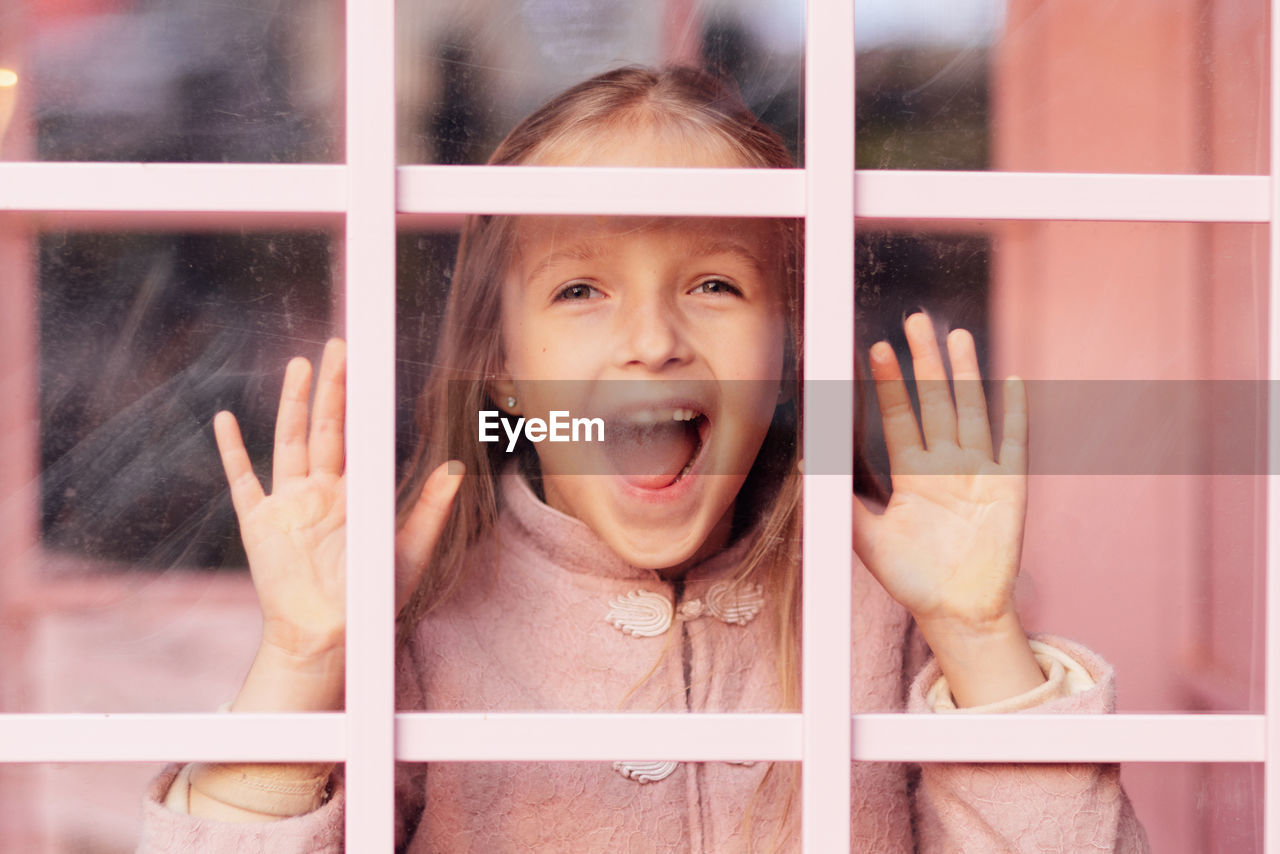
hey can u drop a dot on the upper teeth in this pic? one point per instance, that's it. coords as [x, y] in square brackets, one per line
[654, 416]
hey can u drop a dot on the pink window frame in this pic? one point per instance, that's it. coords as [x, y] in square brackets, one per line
[369, 191]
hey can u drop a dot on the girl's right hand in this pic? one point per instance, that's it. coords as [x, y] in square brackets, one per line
[295, 539]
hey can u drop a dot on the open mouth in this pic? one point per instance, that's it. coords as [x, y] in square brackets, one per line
[656, 447]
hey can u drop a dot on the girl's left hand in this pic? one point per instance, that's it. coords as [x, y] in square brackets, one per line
[948, 544]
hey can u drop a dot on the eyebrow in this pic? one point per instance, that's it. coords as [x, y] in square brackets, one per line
[584, 251]
[730, 247]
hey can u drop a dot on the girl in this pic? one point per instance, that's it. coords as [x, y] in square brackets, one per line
[658, 570]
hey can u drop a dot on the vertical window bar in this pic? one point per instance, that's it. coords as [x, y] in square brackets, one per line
[369, 293]
[828, 424]
[1271, 767]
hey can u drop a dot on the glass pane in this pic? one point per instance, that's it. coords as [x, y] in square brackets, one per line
[61, 808]
[122, 562]
[1183, 808]
[1188, 809]
[174, 80]
[467, 74]
[554, 807]
[622, 550]
[1143, 346]
[1029, 85]
[88, 808]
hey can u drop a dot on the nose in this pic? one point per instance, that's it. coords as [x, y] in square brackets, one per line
[652, 335]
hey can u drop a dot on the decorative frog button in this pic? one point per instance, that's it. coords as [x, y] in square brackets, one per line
[646, 772]
[641, 613]
[645, 614]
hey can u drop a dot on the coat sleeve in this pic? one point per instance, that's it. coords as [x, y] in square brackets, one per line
[1027, 807]
[167, 828]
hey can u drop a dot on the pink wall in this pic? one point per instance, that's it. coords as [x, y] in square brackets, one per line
[1158, 572]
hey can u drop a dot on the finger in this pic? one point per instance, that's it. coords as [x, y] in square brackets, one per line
[290, 455]
[1013, 446]
[901, 433]
[326, 449]
[973, 428]
[937, 412]
[246, 491]
[416, 539]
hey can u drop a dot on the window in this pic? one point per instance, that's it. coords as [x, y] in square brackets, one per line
[1104, 193]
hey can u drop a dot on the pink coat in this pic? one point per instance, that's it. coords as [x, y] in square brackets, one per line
[541, 623]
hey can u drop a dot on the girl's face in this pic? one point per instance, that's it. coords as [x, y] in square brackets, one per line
[673, 332]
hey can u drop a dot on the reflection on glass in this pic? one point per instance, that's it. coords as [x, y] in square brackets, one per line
[176, 80]
[1027, 85]
[142, 338]
[120, 557]
[923, 106]
[465, 78]
[597, 806]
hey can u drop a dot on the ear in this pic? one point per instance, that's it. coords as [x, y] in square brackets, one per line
[503, 391]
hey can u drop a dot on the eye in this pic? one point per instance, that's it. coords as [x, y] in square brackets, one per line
[717, 286]
[578, 291]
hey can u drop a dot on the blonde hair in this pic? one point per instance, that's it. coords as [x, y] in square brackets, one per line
[690, 107]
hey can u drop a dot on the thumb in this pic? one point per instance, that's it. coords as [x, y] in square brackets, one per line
[417, 538]
[865, 524]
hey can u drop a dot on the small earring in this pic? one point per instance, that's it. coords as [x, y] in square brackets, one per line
[511, 402]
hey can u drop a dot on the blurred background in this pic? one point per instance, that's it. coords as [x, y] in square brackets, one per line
[122, 586]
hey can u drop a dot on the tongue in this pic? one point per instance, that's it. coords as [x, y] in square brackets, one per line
[652, 456]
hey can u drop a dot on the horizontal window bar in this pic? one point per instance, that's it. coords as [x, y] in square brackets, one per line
[597, 190]
[183, 189]
[584, 737]
[1059, 738]
[594, 737]
[208, 737]
[153, 221]
[1063, 196]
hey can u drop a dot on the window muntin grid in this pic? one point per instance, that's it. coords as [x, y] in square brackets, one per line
[1144, 747]
[1226, 738]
